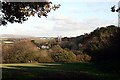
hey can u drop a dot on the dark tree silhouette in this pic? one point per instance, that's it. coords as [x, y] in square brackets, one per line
[20, 11]
[115, 10]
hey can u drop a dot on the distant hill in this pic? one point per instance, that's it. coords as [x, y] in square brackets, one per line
[14, 36]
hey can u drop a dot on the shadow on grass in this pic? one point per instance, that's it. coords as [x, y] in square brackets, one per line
[54, 71]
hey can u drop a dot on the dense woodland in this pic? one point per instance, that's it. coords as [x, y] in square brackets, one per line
[101, 46]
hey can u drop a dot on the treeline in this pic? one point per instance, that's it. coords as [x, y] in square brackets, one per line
[100, 46]
[26, 52]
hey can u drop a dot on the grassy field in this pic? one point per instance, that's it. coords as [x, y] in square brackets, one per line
[55, 71]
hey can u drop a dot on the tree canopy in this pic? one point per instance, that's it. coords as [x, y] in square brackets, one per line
[20, 11]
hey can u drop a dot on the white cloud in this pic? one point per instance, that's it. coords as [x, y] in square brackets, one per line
[69, 20]
[57, 25]
[67, 26]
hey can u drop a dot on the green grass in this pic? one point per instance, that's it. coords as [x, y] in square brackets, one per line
[55, 71]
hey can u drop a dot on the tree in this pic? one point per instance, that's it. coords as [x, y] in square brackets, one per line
[22, 51]
[43, 56]
[60, 55]
[20, 11]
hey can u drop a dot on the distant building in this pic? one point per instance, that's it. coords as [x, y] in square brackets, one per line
[8, 42]
[59, 38]
[45, 47]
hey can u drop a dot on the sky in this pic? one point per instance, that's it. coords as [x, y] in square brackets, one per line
[73, 18]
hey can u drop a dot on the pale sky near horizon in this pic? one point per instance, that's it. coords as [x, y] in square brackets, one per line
[73, 18]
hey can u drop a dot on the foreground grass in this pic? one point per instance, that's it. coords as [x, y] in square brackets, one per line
[55, 71]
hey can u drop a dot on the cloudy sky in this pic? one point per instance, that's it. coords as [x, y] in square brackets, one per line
[73, 18]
